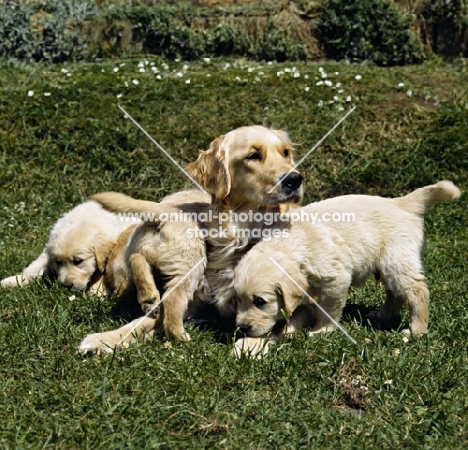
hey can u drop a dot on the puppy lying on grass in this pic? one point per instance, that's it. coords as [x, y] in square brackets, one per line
[385, 239]
[76, 253]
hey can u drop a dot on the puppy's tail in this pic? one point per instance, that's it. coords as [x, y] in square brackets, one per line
[421, 200]
[121, 203]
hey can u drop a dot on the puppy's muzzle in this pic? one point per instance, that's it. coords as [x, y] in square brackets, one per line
[292, 181]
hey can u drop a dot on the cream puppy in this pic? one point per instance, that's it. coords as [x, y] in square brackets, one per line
[385, 238]
[77, 250]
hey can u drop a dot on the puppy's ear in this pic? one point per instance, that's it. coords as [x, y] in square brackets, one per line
[211, 169]
[102, 250]
[291, 288]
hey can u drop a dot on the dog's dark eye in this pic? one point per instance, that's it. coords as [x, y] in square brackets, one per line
[258, 301]
[58, 262]
[254, 156]
[77, 261]
[286, 153]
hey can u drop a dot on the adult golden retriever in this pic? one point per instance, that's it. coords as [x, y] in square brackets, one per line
[249, 173]
[323, 259]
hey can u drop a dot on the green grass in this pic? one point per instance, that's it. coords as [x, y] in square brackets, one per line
[321, 392]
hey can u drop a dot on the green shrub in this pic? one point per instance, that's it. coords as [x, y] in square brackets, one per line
[188, 32]
[61, 30]
[44, 31]
[374, 30]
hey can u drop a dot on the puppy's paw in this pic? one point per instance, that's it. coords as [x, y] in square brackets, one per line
[322, 328]
[151, 307]
[13, 281]
[184, 337]
[97, 343]
[255, 348]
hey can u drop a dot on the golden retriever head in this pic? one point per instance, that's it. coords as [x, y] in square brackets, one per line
[265, 293]
[249, 165]
[79, 245]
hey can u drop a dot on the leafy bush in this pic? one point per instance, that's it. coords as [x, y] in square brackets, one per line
[44, 31]
[188, 32]
[376, 30]
[373, 30]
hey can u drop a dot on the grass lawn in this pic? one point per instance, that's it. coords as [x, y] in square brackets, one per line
[62, 138]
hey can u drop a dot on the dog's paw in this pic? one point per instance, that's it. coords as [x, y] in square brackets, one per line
[255, 348]
[183, 337]
[151, 307]
[97, 344]
[13, 281]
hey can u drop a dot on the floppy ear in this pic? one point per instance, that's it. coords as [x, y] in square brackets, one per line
[292, 288]
[211, 169]
[102, 250]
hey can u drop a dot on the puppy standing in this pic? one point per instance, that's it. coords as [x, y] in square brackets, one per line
[324, 259]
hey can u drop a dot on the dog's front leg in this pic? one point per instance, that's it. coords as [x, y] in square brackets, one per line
[142, 275]
[35, 270]
[138, 330]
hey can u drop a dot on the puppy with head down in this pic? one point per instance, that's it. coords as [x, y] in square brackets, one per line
[77, 250]
[324, 259]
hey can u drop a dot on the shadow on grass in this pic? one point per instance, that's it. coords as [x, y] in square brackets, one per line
[357, 313]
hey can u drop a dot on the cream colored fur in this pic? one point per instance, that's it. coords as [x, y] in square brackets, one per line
[325, 259]
[77, 250]
[239, 169]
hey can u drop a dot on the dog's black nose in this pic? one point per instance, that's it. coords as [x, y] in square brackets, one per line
[244, 329]
[68, 285]
[292, 181]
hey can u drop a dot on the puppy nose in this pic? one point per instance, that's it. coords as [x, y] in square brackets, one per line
[292, 181]
[68, 285]
[244, 329]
